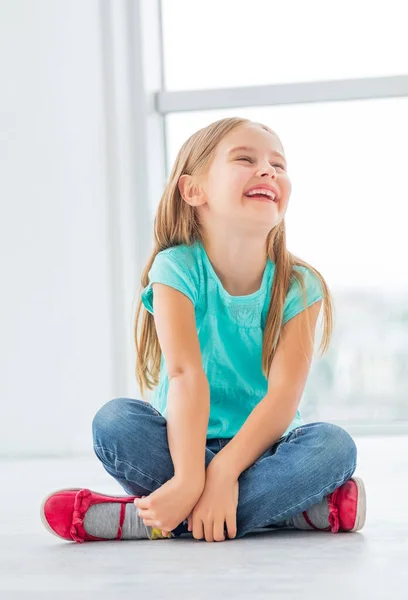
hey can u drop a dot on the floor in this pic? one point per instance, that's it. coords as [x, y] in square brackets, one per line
[371, 564]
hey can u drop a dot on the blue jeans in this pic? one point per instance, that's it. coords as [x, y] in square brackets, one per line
[130, 439]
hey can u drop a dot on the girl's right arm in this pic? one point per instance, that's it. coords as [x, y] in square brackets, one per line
[188, 401]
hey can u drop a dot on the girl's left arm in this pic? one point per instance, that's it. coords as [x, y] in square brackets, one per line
[286, 381]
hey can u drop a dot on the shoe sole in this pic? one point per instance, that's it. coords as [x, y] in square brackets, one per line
[42, 509]
[361, 505]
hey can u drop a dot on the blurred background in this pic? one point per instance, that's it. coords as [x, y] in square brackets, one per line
[96, 99]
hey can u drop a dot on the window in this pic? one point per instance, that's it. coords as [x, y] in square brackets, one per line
[216, 44]
[346, 217]
[347, 164]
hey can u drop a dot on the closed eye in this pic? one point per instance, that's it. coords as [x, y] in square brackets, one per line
[249, 159]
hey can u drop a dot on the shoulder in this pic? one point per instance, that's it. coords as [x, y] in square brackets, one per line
[186, 255]
[300, 297]
[181, 260]
[176, 267]
[310, 279]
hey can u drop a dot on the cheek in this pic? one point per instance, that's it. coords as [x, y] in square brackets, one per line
[286, 186]
[237, 182]
[227, 185]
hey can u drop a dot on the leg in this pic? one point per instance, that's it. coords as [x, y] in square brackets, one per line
[130, 439]
[309, 463]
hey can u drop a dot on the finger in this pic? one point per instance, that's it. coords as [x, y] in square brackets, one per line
[232, 526]
[198, 532]
[142, 502]
[218, 530]
[209, 530]
[145, 513]
[151, 522]
[142, 509]
[190, 524]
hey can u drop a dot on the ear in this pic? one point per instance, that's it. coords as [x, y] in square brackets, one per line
[190, 190]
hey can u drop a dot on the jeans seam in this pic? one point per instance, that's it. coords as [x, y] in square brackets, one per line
[125, 463]
[158, 413]
[306, 499]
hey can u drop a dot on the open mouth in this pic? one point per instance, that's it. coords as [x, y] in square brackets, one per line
[263, 197]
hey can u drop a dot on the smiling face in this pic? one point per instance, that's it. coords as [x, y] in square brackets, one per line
[249, 157]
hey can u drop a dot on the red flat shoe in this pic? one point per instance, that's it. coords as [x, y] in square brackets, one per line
[63, 512]
[347, 508]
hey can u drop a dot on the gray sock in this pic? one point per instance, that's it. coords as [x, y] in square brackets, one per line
[102, 520]
[318, 515]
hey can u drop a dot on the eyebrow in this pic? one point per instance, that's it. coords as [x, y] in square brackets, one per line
[250, 149]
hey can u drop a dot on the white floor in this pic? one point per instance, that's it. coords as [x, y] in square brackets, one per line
[372, 564]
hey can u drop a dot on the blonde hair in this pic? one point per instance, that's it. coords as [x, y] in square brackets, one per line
[176, 223]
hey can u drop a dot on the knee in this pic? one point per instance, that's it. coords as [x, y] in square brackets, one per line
[120, 418]
[107, 419]
[340, 444]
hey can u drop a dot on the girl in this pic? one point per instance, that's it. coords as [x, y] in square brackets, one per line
[226, 339]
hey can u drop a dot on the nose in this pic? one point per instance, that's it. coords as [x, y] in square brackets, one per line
[268, 170]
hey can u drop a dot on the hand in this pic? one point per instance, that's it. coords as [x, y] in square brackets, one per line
[218, 503]
[169, 505]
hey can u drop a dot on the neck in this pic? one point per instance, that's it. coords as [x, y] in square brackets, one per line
[239, 263]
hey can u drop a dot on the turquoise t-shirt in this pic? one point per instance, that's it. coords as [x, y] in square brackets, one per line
[230, 331]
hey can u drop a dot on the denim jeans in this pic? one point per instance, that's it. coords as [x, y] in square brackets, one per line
[130, 439]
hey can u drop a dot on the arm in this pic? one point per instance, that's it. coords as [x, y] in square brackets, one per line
[187, 421]
[272, 416]
[188, 402]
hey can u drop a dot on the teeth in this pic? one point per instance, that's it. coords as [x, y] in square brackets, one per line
[263, 191]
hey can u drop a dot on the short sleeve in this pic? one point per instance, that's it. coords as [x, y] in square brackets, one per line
[294, 303]
[167, 269]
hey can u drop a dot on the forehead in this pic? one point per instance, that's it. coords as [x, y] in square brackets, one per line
[251, 136]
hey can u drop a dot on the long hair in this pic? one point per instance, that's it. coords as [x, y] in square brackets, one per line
[176, 222]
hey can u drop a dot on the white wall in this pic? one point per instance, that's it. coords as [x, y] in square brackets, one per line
[58, 320]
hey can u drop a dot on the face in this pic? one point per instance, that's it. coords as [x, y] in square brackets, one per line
[246, 158]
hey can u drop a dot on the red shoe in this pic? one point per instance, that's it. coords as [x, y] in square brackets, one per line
[347, 509]
[63, 513]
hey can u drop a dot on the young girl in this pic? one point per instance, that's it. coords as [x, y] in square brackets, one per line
[226, 340]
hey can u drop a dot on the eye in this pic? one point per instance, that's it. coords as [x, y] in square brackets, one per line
[249, 159]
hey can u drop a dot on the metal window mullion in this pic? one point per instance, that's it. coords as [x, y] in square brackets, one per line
[285, 93]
